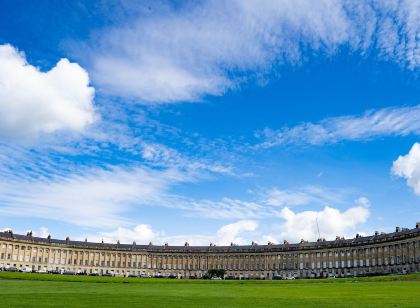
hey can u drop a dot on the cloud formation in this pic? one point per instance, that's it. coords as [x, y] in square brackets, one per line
[408, 167]
[301, 196]
[34, 102]
[384, 122]
[143, 234]
[331, 222]
[92, 198]
[207, 48]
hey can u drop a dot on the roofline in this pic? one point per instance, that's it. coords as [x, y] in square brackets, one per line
[339, 242]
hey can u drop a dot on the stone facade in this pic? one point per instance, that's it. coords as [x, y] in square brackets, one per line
[397, 252]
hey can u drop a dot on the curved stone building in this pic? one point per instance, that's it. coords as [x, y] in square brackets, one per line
[381, 253]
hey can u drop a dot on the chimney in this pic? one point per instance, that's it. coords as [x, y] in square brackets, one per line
[418, 225]
[397, 229]
[376, 232]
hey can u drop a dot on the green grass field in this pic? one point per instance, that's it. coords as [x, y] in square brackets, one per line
[35, 290]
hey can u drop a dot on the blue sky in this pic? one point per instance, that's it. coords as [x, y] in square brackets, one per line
[209, 121]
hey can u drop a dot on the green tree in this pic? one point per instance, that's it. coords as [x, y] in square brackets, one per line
[216, 273]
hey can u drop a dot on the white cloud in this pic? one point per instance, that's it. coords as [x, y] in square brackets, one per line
[301, 196]
[226, 208]
[398, 28]
[161, 155]
[207, 48]
[265, 205]
[94, 198]
[143, 234]
[408, 167]
[231, 233]
[363, 201]
[241, 232]
[190, 52]
[34, 102]
[43, 232]
[331, 222]
[374, 123]
[295, 226]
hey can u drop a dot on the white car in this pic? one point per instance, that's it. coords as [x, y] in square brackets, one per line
[216, 278]
[42, 271]
[26, 270]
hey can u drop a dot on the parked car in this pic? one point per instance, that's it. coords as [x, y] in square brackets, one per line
[26, 270]
[93, 274]
[81, 273]
[216, 278]
[107, 275]
[55, 272]
[42, 271]
[11, 269]
[172, 276]
[71, 273]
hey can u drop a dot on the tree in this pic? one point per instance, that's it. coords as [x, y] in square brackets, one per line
[216, 273]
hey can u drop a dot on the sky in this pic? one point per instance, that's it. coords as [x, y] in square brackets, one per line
[209, 121]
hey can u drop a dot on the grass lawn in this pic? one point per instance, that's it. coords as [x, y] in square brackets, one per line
[35, 290]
